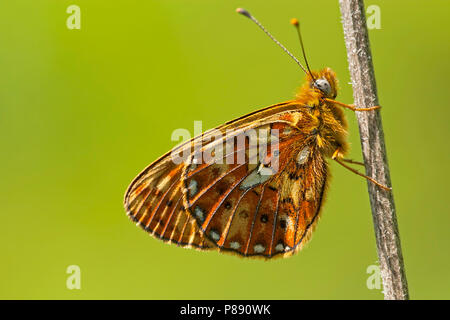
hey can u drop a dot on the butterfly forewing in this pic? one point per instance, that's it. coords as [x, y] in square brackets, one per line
[155, 202]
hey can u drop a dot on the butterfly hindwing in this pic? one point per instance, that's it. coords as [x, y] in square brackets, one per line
[303, 185]
[251, 209]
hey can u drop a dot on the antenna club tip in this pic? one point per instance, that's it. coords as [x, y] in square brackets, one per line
[294, 22]
[243, 12]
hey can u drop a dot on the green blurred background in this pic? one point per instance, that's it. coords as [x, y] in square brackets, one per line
[83, 111]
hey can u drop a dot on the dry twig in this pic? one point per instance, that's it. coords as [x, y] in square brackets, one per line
[374, 150]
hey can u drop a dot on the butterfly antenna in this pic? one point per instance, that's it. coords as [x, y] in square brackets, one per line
[296, 24]
[248, 15]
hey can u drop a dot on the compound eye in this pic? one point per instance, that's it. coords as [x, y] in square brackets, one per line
[323, 85]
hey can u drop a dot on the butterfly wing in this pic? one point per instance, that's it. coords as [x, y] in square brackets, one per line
[302, 191]
[154, 202]
[236, 206]
[154, 198]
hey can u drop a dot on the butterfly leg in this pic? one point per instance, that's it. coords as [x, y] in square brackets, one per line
[338, 154]
[351, 107]
[353, 162]
[341, 162]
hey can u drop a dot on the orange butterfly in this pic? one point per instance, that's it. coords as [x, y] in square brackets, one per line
[255, 206]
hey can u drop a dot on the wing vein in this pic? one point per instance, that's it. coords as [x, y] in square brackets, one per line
[274, 223]
[254, 218]
[171, 215]
[160, 201]
[230, 220]
[211, 214]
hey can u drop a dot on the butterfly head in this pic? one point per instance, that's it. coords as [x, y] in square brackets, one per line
[323, 82]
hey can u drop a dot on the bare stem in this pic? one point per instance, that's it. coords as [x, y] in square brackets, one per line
[374, 151]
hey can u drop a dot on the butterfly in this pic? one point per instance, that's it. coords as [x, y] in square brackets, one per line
[240, 201]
